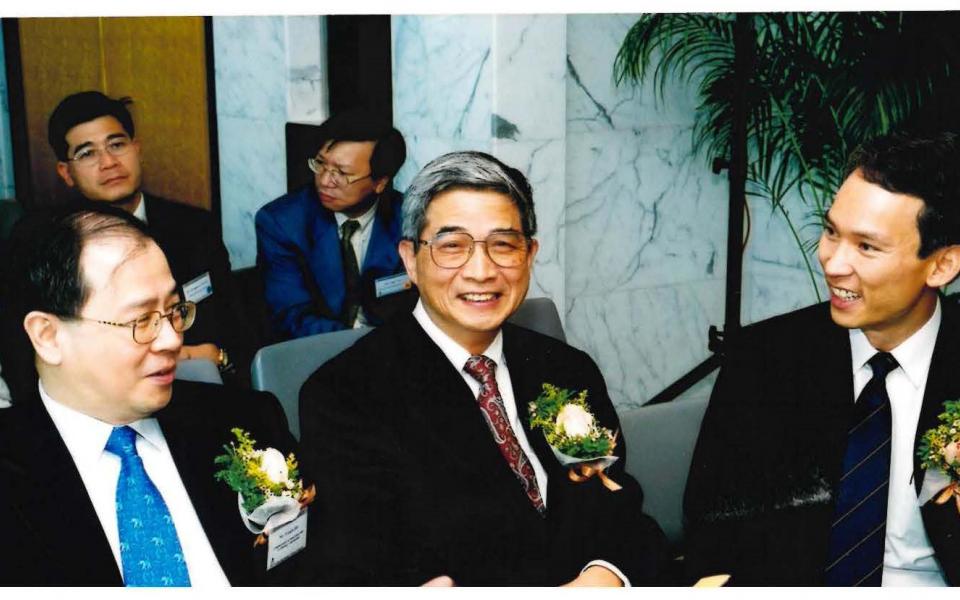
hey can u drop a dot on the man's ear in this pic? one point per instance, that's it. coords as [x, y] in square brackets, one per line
[42, 329]
[63, 170]
[381, 184]
[409, 256]
[946, 266]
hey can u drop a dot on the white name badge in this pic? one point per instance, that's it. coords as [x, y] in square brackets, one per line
[198, 288]
[286, 540]
[391, 284]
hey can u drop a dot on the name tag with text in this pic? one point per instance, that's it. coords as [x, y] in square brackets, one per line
[286, 540]
[198, 288]
[391, 284]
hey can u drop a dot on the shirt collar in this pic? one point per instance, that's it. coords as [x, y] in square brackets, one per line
[86, 436]
[913, 354]
[365, 219]
[141, 211]
[455, 353]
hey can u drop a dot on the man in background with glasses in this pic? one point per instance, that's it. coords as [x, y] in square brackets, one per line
[99, 156]
[328, 251]
[432, 471]
[103, 319]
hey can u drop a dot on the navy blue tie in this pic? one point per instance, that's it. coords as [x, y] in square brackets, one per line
[149, 547]
[858, 533]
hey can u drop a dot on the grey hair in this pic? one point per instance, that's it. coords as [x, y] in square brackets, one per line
[471, 170]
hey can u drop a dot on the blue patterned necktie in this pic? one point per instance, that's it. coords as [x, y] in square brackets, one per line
[858, 533]
[149, 548]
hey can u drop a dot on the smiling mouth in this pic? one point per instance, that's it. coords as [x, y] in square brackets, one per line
[844, 294]
[478, 297]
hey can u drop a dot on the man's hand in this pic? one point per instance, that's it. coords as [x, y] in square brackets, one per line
[207, 351]
[441, 581]
[596, 576]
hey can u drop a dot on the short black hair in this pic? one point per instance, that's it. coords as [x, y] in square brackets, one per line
[43, 272]
[363, 125]
[926, 167]
[83, 107]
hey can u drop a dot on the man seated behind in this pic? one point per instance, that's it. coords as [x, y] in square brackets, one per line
[417, 465]
[102, 317]
[328, 252]
[94, 139]
[806, 471]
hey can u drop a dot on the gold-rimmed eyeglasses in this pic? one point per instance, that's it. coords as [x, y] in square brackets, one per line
[89, 156]
[453, 249]
[338, 177]
[146, 327]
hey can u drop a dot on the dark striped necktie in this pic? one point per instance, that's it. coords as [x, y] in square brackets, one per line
[351, 273]
[857, 536]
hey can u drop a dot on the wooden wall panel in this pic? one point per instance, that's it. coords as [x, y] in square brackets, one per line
[157, 61]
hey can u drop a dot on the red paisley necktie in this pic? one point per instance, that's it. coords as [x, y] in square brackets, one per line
[483, 369]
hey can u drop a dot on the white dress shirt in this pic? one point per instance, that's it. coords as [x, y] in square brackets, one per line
[908, 557]
[360, 242]
[86, 437]
[458, 356]
[140, 211]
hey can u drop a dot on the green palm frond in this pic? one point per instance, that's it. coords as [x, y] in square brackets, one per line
[821, 84]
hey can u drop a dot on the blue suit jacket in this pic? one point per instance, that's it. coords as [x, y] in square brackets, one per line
[298, 252]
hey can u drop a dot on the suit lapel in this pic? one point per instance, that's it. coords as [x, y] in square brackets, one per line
[55, 502]
[325, 261]
[442, 405]
[193, 448]
[941, 522]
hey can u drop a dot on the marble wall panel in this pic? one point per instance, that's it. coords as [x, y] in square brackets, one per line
[641, 212]
[594, 101]
[644, 339]
[248, 179]
[307, 99]
[442, 75]
[529, 77]
[250, 56]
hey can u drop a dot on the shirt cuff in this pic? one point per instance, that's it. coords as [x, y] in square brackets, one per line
[609, 567]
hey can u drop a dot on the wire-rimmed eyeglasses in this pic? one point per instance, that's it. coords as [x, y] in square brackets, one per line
[146, 327]
[452, 250]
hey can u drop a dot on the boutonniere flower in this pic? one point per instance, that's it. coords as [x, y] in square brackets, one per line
[269, 490]
[940, 449]
[574, 435]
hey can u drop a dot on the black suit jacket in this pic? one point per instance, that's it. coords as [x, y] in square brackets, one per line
[191, 241]
[420, 489]
[760, 496]
[52, 534]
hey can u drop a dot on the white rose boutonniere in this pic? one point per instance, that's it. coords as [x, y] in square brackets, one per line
[940, 449]
[268, 485]
[574, 436]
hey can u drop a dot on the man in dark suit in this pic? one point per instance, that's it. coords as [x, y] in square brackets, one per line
[94, 139]
[423, 426]
[328, 251]
[101, 313]
[806, 470]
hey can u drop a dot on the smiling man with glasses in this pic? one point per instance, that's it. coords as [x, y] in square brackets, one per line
[432, 468]
[99, 157]
[107, 469]
[328, 251]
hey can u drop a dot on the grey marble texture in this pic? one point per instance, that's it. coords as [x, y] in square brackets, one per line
[269, 70]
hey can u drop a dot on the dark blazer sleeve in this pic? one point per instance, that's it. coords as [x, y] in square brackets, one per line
[365, 543]
[297, 307]
[599, 524]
